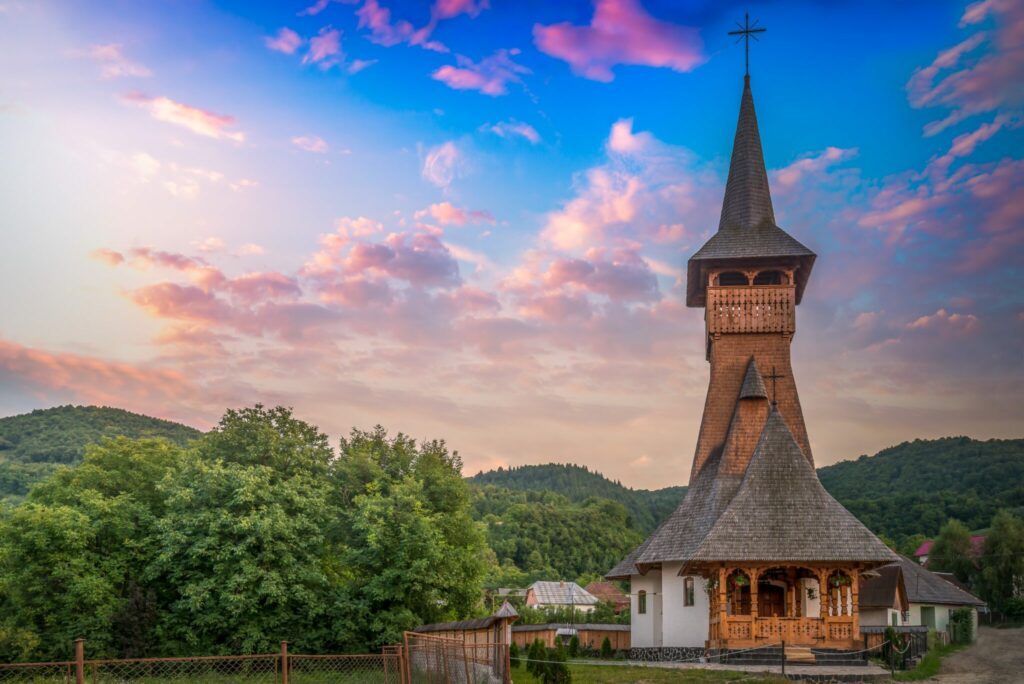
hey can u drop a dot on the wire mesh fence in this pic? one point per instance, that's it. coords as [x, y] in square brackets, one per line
[438, 660]
[270, 668]
[371, 668]
[41, 673]
[211, 670]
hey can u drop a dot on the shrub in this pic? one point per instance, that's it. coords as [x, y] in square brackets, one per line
[606, 648]
[535, 657]
[961, 625]
[556, 670]
[574, 646]
[513, 655]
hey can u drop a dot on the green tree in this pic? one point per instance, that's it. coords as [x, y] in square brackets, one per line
[73, 558]
[1002, 567]
[410, 550]
[952, 551]
[513, 655]
[606, 648]
[574, 646]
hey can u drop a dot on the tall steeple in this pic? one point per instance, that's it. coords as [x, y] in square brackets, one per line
[748, 201]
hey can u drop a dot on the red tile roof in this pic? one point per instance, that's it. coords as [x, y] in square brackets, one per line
[977, 545]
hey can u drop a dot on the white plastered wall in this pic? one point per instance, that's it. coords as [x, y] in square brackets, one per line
[642, 627]
[683, 625]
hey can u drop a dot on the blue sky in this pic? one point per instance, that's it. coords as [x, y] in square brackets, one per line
[469, 219]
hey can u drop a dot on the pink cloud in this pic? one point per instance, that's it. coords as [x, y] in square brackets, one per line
[512, 129]
[108, 256]
[325, 49]
[315, 9]
[446, 9]
[790, 176]
[358, 65]
[181, 302]
[311, 143]
[261, 287]
[943, 319]
[286, 41]
[490, 76]
[199, 121]
[620, 32]
[421, 260]
[442, 164]
[447, 214]
[113, 63]
[382, 30]
[966, 83]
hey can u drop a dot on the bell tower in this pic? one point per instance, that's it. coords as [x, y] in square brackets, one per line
[749, 278]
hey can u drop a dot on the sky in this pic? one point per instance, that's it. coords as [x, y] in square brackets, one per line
[470, 220]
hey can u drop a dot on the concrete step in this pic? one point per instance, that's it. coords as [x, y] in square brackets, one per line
[800, 654]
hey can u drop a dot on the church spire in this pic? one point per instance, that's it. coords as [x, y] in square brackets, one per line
[748, 201]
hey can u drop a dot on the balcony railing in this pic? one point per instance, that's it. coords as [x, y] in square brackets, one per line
[753, 309]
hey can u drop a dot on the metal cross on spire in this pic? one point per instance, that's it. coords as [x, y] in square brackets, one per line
[773, 377]
[745, 33]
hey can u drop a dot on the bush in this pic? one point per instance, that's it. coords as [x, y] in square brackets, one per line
[961, 626]
[535, 657]
[513, 655]
[556, 670]
[574, 646]
[606, 648]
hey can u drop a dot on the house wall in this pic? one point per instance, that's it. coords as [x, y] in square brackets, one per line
[645, 630]
[880, 616]
[683, 625]
[941, 616]
[810, 607]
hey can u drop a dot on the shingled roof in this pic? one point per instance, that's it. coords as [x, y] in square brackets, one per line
[781, 512]
[753, 384]
[924, 586]
[747, 228]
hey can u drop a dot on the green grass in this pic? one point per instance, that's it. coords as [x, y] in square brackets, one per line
[633, 674]
[929, 665]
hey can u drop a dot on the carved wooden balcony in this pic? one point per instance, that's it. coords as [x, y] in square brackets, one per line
[751, 309]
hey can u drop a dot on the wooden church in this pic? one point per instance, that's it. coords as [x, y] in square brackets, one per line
[758, 553]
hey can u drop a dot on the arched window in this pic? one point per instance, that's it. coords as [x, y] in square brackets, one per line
[688, 591]
[770, 278]
[641, 602]
[730, 278]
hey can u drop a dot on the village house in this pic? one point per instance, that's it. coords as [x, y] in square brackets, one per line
[925, 549]
[757, 553]
[560, 595]
[610, 592]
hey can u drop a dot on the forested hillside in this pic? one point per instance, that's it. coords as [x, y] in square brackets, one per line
[569, 522]
[578, 483]
[32, 445]
[914, 487]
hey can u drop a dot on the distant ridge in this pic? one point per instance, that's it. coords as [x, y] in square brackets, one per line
[578, 483]
[33, 444]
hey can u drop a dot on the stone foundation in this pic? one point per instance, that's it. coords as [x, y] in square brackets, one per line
[666, 654]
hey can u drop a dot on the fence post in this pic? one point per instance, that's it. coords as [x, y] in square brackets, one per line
[783, 657]
[284, 662]
[79, 661]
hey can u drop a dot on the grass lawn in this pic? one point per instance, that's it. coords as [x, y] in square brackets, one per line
[631, 674]
[929, 665]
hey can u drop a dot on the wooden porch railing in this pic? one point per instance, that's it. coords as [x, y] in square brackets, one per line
[754, 309]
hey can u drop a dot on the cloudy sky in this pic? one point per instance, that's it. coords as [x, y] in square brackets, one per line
[471, 220]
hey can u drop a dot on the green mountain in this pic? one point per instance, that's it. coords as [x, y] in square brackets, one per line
[578, 483]
[32, 445]
[914, 487]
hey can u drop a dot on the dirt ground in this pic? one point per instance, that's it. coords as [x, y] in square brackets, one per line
[997, 658]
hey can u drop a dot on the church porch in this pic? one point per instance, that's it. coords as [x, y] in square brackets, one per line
[757, 606]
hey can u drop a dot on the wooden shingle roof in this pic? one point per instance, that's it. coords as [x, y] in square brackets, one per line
[781, 512]
[924, 586]
[753, 383]
[746, 229]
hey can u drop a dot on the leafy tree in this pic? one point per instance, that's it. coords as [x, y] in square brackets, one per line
[1002, 571]
[410, 550]
[73, 558]
[243, 549]
[952, 551]
[574, 646]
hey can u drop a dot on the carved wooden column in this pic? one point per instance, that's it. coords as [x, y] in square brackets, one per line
[854, 600]
[722, 608]
[753, 573]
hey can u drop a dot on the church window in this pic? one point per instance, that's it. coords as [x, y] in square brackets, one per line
[730, 278]
[688, 591]
[769, 278]
[641, 602]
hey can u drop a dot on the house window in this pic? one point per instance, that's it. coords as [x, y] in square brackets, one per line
[688, 591]
[641, 602]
